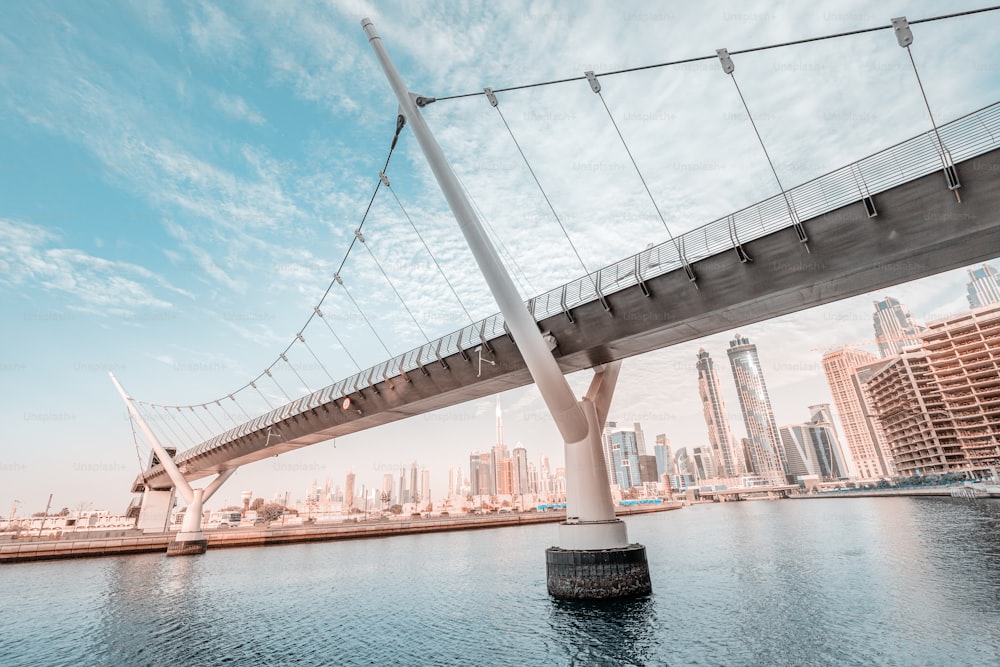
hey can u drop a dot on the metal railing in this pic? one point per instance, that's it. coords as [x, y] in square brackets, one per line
[965, 137]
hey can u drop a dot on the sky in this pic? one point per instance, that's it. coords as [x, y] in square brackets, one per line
[179, 181]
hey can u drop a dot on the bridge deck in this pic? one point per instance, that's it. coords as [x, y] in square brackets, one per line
[647, 302]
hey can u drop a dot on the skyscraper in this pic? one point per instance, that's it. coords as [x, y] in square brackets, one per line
[505, 476]
[640, 439]
[349, 491]
[984, 286]
[609, 459]
[766, 455]
[521, 484]
[939, 401]
[895, 327]
[870, 456]
[704, 462]
[404, 495]
[499, 423]
[812, 448]
[498, 457]
[474, 473]
[625, 457]
[414, 484]
[720, 438]
[425, 487]
[664, 456]
[533, 481]
[911, 408]
[829, 453]
[487, 478]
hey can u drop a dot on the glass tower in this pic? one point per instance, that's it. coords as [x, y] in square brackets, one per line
[984, 286]
[895, 327]
[766, 454]
[728, 460]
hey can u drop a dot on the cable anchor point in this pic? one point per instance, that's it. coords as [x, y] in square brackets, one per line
[902, 29]
[491, 96]
[727, 63]
[595, 85]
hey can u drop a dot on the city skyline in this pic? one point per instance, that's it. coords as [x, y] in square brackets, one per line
[180, 184]
[863, 462]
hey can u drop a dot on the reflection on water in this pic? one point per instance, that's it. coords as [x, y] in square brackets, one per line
[882, 581]
[619, 632]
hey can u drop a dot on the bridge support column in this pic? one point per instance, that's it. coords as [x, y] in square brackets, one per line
[190, 540]
[595, 559]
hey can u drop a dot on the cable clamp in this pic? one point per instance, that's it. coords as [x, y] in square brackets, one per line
[902, 29]
[491, 96]
[299, 336]
[727, 62]
[385, 179]
[337, 277]
[284, 358]
[359, 235]
[595, 85]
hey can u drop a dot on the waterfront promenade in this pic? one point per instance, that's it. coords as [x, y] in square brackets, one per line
[113, 543]
[968, 490]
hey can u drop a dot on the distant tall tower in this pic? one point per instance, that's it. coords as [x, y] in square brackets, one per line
[349, 491]
[521, 484]
[499, 423]
[640, 439]
[625, 458]
[720, 438]
[812, 448]
[474, 474]
[664, 456]
[609, 459]
[704, 462]
[984, 286]
[869, 454]
[425, 487]
[414, 488]
[387, 486]
[829, 453]
[766, 454]
[895, 327]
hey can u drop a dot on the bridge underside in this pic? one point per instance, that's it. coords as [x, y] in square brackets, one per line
[920, 230]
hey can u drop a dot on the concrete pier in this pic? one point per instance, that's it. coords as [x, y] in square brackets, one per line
[597, 573]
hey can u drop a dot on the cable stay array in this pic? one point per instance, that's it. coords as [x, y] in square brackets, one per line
[496, 105]
[197, 423]
[388, 186]
[517, 273]
[423, 101]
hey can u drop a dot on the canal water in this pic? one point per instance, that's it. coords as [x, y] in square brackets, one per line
[860, 581]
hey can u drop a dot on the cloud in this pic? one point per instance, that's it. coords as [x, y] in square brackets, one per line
[90, 284]
[237, 108]
[213, 33]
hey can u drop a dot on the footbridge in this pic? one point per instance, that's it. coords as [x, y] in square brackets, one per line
[885, 219]
[911, 210]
